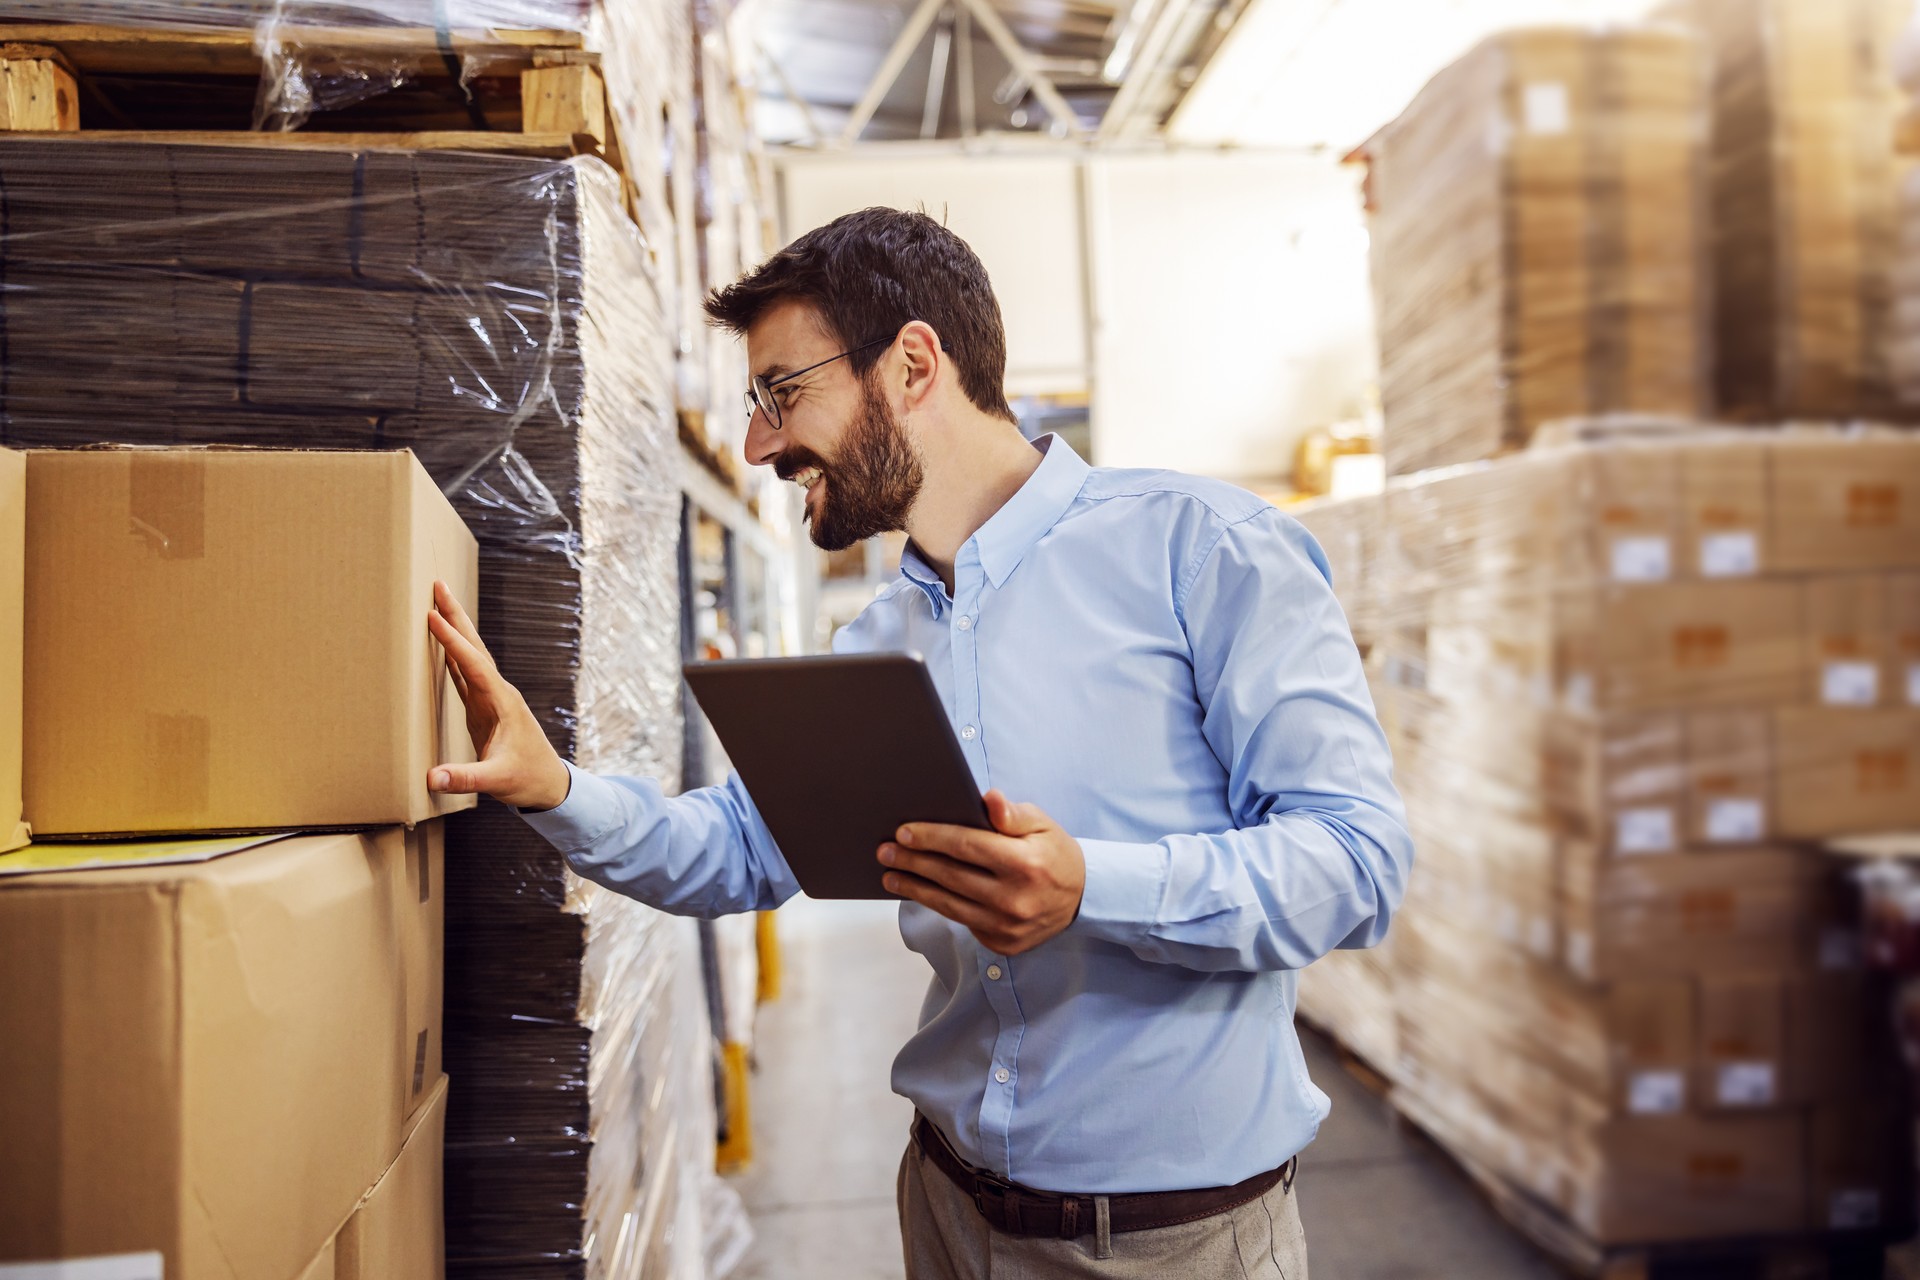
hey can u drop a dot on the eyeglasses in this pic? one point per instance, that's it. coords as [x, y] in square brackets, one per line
[759, 393]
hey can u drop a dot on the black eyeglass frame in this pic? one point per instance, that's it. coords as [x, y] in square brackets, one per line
[759, 393]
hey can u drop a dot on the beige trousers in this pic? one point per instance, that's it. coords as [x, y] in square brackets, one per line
[945, 1238]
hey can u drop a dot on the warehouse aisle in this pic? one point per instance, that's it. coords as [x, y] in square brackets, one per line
[1379, 1205]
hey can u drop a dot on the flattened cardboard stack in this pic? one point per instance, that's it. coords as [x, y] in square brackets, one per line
[1621, 682]
[1805, 184]
[500, 317]
[1537, 241]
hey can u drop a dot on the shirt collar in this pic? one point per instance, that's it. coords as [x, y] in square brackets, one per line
[1020, 522]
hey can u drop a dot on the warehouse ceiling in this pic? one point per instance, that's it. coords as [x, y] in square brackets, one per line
[898, 69]
[1257, 73]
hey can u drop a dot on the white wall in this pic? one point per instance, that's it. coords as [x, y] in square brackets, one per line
[1227, 309]
[1232, 307]
[1020, 213]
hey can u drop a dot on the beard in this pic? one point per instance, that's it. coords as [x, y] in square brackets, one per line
[871, 484]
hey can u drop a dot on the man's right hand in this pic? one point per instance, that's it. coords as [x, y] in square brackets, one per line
[517, 765]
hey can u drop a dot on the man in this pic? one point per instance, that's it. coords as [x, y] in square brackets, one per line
[1193, 799]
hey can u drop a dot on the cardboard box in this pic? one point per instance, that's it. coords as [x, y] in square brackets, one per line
[1724, 509]
[1841, 770]
[1742, 1061]
[207, 1059]
[1650, 1030]
[13, 560]
[1849, 640]
[1665, 1178]
[232, 639]
[1680, 645]
[421, 917]
[1844, 503]
[1619, 779]
[1903, 626]
[1729, 766]
[1731, 911]
[398, 1231]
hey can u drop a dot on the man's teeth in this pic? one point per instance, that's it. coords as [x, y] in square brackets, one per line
[806, 478]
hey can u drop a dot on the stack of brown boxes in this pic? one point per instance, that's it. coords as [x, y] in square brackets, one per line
[1805, 183]
[1621, 682]
[1537, 241]
[228, 1053]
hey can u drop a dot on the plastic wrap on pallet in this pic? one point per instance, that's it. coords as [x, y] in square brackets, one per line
[1537, 215]
[1629, 676]
[499, 316]
[1804, 186]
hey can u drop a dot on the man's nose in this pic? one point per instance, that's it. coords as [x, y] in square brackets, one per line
[763, 442]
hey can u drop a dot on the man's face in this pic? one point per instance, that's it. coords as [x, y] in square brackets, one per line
[838, 435]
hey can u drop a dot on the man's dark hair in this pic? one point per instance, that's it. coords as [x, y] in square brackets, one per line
[868, 274]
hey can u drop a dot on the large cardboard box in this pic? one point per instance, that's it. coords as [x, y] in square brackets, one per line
[1841, 503]
[1849, 640]
[235, 639]
[1650, 1033]
[1742, 1053]
[398, 1230]
[1845, 769]
[1683, 644]
[1859, 1167]
[1661, 1178]
[213, 1060]
[1732, 911]
[13, 532]
[1729, 761]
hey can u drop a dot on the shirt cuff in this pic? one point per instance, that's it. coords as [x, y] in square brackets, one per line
[590, 811]
[1124, 885]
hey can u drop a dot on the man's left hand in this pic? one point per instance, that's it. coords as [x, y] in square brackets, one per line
[1013, 887]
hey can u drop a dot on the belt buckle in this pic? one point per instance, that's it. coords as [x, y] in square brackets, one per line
[984, 1181]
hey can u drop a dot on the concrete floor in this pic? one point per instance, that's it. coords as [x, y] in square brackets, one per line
[1378, 1204]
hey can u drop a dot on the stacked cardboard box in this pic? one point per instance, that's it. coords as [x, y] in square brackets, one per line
[1621, 680]
[1537, 241]
[500, 317]
[13, 561]
[1803, 211]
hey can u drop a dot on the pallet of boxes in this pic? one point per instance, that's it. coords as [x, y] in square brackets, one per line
[1634, 668]
[389, 277]
[223, 1053]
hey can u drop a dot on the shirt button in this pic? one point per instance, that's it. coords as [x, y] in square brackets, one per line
[1002, 1076]
[969, 733]
[993, 972]
[965, 623]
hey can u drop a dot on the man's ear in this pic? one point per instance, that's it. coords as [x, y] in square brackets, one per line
[925, 362]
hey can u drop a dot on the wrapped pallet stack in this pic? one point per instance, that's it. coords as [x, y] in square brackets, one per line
[1805, 183]
[1537, 241]
[514, 320]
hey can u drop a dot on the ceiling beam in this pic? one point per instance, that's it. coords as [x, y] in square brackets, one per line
[1022, 61]
[937, 78]
[800, 104]
[890, 68]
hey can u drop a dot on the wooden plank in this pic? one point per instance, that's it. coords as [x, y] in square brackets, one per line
[551, 145]
[92, 49]
[566, 99]
[36, 91]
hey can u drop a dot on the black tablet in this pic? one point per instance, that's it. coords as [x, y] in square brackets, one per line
[837, 752]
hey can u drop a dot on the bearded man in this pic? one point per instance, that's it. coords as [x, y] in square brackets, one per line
[1191, 795]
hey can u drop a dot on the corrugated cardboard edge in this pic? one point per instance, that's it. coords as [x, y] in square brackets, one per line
[443, 547]
[429, 1115]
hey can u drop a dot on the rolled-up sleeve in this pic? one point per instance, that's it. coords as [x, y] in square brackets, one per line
[1320, 855]
[704, 853]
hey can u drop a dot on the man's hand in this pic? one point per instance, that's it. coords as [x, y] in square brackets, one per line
[1013, 887]
[517, 765]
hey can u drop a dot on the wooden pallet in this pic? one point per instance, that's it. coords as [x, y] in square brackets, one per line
[529, 92]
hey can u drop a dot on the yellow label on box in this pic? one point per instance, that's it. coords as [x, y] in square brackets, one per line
[38, 859]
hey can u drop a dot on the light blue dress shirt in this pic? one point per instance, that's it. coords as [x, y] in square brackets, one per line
[1158, 662]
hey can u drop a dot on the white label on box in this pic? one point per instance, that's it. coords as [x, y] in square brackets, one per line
[1642, 559]
[1736, 820]
[1546, 108]
[1643, 831]
[1913, 684]
[1841, 948]
[1579, 691]
[1506, 922]
[120, 1266]
[1580, 952]
[1746, 1084]
[1730, 555]
[1540, 937]
[1656, 1093]
[1850, 684]
[1853, 1208]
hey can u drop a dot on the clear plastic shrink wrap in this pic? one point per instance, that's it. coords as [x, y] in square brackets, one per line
[1627, 682]
[1805, 183]
[501, 317]
[1537, 221]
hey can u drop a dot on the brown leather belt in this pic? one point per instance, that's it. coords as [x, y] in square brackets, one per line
[1022, 1211]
